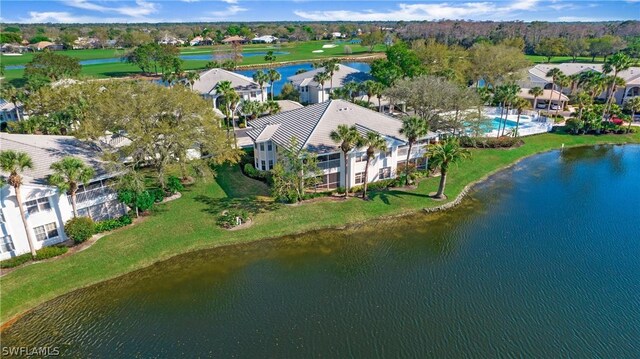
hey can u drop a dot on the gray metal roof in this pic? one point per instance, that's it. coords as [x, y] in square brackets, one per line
[45, 150]
[209, 79]
[312, 125]
[342, 76]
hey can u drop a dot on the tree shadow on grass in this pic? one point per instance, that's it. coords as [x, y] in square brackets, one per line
[252, 205]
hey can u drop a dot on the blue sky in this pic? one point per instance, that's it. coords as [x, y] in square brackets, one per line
[89, 11]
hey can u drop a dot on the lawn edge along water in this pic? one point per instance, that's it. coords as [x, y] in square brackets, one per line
[159, 238]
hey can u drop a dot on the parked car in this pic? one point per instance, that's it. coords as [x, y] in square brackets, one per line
[541, 105]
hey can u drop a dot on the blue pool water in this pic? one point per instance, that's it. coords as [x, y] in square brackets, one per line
[497, 123]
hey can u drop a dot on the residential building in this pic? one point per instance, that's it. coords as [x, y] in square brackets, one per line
[537, 77]
[172, 40]
[265, 39]
[312, 92]
[47, 208]
[8, 112]
[244, 86]
[200, 41]
[234, 39]
[312, 125]
[46, 45]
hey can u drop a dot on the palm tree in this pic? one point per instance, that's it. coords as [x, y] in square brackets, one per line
[348, 138]
[272, 107]
[412, 129]
[321, 78]
[270, 57]
[612, 83]
[615, 63]
[260, 77]
[367, 88]
[252, 109]
[192, 77]
[373, 141]
[230, 98]
[13, 95]
[582, 100]
[511, 92]
[330, 67]
[563, 82]
[14, 163]
[377, 88]
[273, 77]
[67, 175]
[633, 105]
[555, 73]
[442, 155]
[353, 88]
[536, 92]
[520, 105]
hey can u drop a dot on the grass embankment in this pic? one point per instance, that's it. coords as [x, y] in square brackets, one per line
[188, 223]
[296, 51]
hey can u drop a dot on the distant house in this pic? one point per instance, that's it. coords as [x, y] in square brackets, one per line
[170, 40]
[537, 77]
[312, 125]
[336, 35]
[311, 91]
[8, 112]
[47, 208]
[245, 87]
[46, 45]
[201, 41]
[86, 43]
[234, 39]
[266, 39]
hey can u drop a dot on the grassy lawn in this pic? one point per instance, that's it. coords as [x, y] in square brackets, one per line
[188, 223]
[296, 51]
[560, 59]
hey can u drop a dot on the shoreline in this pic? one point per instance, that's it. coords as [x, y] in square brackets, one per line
[403, 212]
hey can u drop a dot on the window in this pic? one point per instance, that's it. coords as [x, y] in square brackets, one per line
[6, 244]
[360, 178]
[48, 231]
[262, 146]
[384, 173]
[263, 165]
[388, 153]
[38, 205]
[270, 164]
[361, 156]
[269, 147]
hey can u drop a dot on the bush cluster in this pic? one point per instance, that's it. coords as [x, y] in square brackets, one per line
[174, 185]
[41, 254]
[228, 218]
[111, 224]
[79, 229]
[490, 142]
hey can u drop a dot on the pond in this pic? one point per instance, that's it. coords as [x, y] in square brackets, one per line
[542, 260]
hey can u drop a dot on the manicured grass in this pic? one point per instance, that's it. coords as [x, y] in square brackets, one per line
[188, 223]
[561, 59]
[297, 51]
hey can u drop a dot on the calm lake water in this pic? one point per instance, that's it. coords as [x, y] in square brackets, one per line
[541, 261]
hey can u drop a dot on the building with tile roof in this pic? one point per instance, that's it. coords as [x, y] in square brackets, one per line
[312, 126]
[312, 92]
[47, 208]
[248, 89]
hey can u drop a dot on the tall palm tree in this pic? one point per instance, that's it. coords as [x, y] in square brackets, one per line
[615, 63]
[68, 174]
[633, 105]
[272, 107]
[611, 83]
[14, 163]
[260, 77]
[321, 78]
[536, 92]
[348, 138]
[377, 88]
[444, 154]
[367, 88]
[374, 142]
[270, 57]
[273, 77]
[353, 88]
[520, 105]
[555, 73]
[330, 67]
[582, 100]
[192, 77]
[563, 82]
[413, 128]
[511, 92]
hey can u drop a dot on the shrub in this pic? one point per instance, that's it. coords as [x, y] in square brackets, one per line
[341, 190]
[228, 219]
[251, 171]
[15, 261]
[79, 229]
[311, 195]
[490, 142]
[50, 252]
[157, 194]
[382, 184]
[111, 224]
[174, 185]
[145, 200]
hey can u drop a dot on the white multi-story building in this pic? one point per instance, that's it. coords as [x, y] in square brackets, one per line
[248, 89]
[312, 92]
[312, 125]
[9, 112]
[47, 210]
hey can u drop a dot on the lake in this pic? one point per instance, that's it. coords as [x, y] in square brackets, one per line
[542, 260]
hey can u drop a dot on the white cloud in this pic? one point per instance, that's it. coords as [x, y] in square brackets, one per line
[583, 19]
[230, 1]
[141, 9]
[67, 17]
[468, 10]
[229, 11]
